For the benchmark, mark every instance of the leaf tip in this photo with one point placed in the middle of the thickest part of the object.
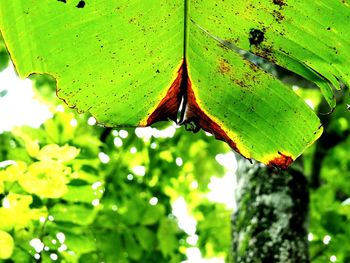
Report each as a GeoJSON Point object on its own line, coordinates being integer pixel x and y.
{"type": "Point", "coordinates": [282, 161]}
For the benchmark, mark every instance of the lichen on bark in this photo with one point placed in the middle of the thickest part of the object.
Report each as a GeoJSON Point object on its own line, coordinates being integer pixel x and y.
{"type": "Point", "coordinates": [270, 224]}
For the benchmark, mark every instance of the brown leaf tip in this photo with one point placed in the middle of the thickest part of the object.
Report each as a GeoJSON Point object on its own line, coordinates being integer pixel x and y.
{"type": "Point", "coordinates": [282, 161]}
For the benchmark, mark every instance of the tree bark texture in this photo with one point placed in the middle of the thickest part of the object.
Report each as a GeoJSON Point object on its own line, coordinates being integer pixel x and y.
{"type": "Point", "coordinates": [270, 224]}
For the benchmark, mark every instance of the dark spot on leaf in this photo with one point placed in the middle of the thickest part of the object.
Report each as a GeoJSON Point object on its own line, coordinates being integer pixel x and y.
{"type": "Point", "coordinates": [157, 71]}
{"type": "Point", "coordinates": [278, 15]}
{"type": "Point", "coordinates": [256, 36]}
{"type": "Point", "coordinates": [63, 1]}
{"type": "Point", "coordinates": [81, 4]}
{"type": "Point", "coordinates": [266, 52]}
{"type": "Point", "coordinates": [280, 3]}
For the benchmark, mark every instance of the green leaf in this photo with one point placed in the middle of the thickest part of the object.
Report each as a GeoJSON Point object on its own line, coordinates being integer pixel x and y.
{"type": "Point", "coordinates": [160, 36]}
{"type": "Point", "coordinates": [257, 115]}
{"type": "Point", "coordinates": [131, 247]}
{"type": "Point", "coordinates": [110, 246]}
{"type": "Point", "coordinates": [145, 237]}
{"type": "Point", "coordinates": [13, 172]}
{"type": "Point", "coordinates": [46, 179]}
{"type": "Point", "coordinates": [135, 208]}
{"type": "Point", "coordinates": [81, 243]}
{"type": "Point", "coordinates": [337, 162]}
{"type": "Point", "coordinates": [59, 129]}
{"type": "Point", "coordinates": [20, 255]}
{"type": "Point", "coordinates": [214, 228]}
{"type": "Point", "coordinates": [73, 213]}
{"type": "Point", "coordinates": [131, 64]}
{"type": "Point", "coordinates": [89, 142]}
{"type": "Point", "coordinates": [6, 245]}
{"type": "Point", "coordinates": [166, 237]}
{"type": "Point", "coordinates": [285, 34]}
{"type": "Point", "coordinates": [152, 214]}
{"type": "Point", "coordinates": [15, 211]}
{"type": "Point", "coordinates": [31, 144]}
{"type": "Point", "coordinates": [334, 223]}
{"type": "Point", "coordinates": [83, 193]}
{"type": "Point", "coordinates": [55, 152]}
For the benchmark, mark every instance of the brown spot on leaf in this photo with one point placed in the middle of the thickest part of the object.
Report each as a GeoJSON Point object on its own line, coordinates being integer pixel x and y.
{"type": "Point", "coordinates": [266, 52]}
{"type": "Point", "coordinates": [282, 161]}
{"type": "Point", "coordinates": [224, 66]}
{"type": "Point", "coordinates": [280, 3]}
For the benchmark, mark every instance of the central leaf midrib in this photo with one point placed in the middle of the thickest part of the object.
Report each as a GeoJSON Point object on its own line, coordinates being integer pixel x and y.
{"type": "Point", "coordinates": [183, 84]}
{"type": "Point", "coordinates": [186, 9]}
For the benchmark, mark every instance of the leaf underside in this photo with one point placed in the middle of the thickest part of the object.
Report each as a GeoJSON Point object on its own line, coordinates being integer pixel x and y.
{"type": "Point", "coordinates": [131, 63]}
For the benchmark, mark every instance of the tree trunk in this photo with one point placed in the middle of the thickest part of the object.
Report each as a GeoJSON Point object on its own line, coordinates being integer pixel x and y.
{"type": "Point", "coordinates": [270, 224]}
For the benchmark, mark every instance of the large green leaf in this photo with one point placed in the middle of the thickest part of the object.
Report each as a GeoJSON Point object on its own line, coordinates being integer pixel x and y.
{"type": "Point", "coordinates": [132, 63]}
{"type": "Point", "coordinates": [307, 37]}
{"type": "Point", "coordinates": [115, 59]}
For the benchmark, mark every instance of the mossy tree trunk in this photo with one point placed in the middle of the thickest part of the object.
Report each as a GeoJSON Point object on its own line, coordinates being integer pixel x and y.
{"type": "Point", "coordinates": [270, 224]}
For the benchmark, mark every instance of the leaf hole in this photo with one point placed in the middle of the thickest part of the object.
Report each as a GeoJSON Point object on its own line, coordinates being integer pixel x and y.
{"type": "Point", "coordinates": [256, 36]}
{"type": "Point", "coordinates": [81, 4]}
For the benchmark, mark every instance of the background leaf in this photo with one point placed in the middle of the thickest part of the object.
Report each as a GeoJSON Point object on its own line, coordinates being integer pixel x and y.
{"type": "Point", "coordinates": [6, 245]}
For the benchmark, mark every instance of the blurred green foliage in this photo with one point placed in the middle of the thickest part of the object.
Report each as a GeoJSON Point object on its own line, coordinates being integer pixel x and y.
{"type": "Point", "coordinates": [327, 165]}
{"type": "Point", "coordinates": [94, 185]}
